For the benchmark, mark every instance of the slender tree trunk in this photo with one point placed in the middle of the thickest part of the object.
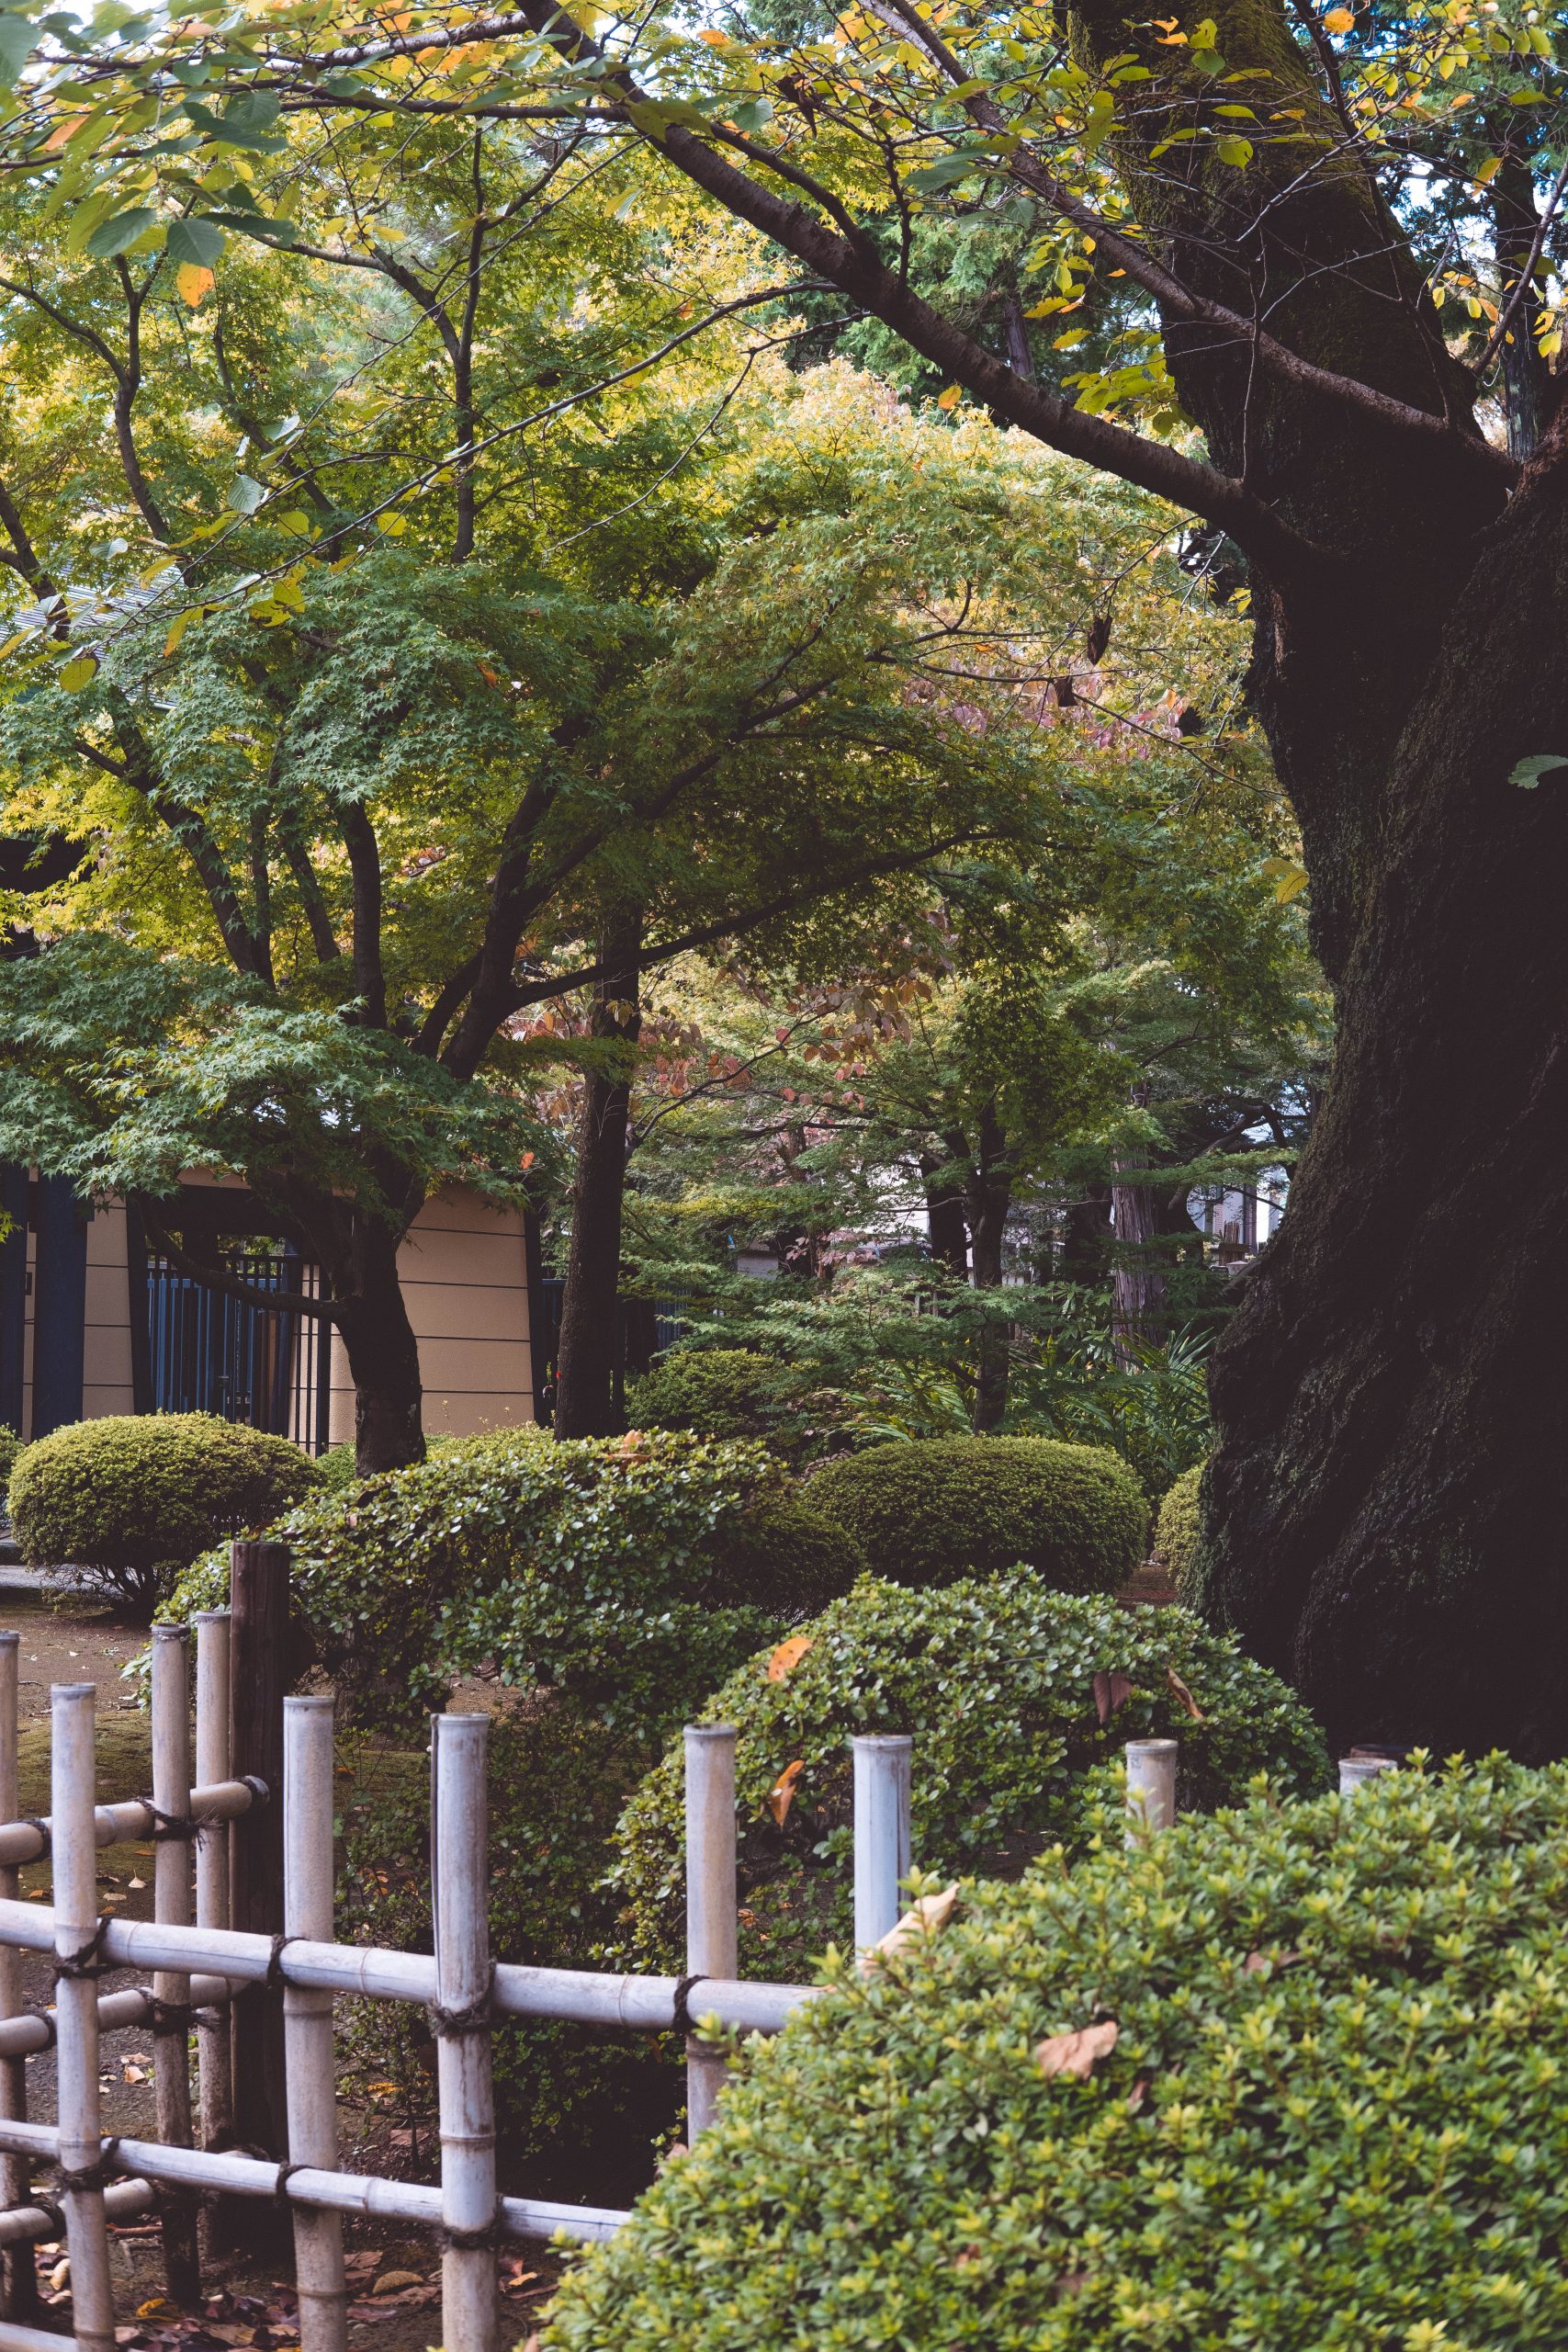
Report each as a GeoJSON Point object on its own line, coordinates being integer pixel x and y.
{"type": "Point", "coordinates": [1527, 380]}
{"type": "Point", "coordinates": [1388, 1519]}
{"type": "Point", "coordinates": [383, 1354]}
{"type": "Point", "coordinates": [1137, 1286]}
{"type": "Point", "coordinates": [987, 1195]}
{"type": "Point", "coordinates": [1086, 1238]}
{"type": "Point", "coordinates": [585, 1384]}
{"type": "Point", "coordinates": [944, 1216]}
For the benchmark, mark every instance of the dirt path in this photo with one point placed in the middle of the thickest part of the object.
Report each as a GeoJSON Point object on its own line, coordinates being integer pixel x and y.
{"type": "Point", "coordinates": [396, 2278]}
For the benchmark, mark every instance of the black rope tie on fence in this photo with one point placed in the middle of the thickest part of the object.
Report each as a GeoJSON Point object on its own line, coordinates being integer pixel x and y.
{"type": "Point", "coordinates": [167, 1826]}
{"type": "Point", "coordinates": [274, 1980]}
{"type": "Point", "coordinates": [169, 2016]}
{"type": "Point", "coordinates": [88, 1962]}
{"type": "Point", "coordinates": [683, 2022]}
{"type": "Point", "coordinates": [37, 1821]}
{"type": "Point", "coordinates": [47, 2018]}
{"type": "Point", "coordinates": [81, 2181]}
{"type": "Point", "coordinates": [452, 2025]}
{"type": "Point", "coordinates": [260, 1792]}
{"type": "Point", "coordinates": [50, 2209]}
{"type": "Point", "coordinates": [280, 2186]}
{"type": "Point", "coordinates": [474, 2241]}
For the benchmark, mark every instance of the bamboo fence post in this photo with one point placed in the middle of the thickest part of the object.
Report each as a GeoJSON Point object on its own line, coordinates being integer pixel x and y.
{"type": "Point", "coordinates": [1354, 1771]}
{"type": "Point", "coordinates": [460, 1868]}
{"type": "Point", "coordinates": [171, 1908]}
{"type": "Point", "coordinates": [1151, 1785]}
{"type": "Point", "coordinates": [882, 1774]}
{"type": "Point", "coordinates": [308, 2016]}
{"type": "Point", "coordinates": [20, 2298]}
{"type": "Point", "coordinates": [214, 1762]}
{"type": "Point", "coordinates": [77, 1930]}
{"type": "Point", "coordinates": [712, 1936]}
{"type": "Point", "coordinates": [258, 1636]}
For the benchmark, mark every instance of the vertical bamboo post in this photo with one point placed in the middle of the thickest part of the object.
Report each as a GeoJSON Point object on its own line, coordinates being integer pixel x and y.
{"type": "Point", "coordinates": [258, 1599]}
{"type": "Point", "coordinates": [171, 1905]}
{"type": "Point", "coordinates": [308, 2016]}
{"type": "Point", "coordinates": [882, 1777]}
{"type": "Point", "coordinates": [460, 1864]}
{"type": "Point", "coordinates": [75, 1849]}
{"type": "Point", "coordinates": [20, 2297]}
{"type": "Point", "coordinates": [1151, 1785]}
{"type": "Point", "coordinates": [1354, 1771]}
{"type": "Point", "coordinates": [214, 1762]}
{"type": "Point", "coordinates": [712, 1941]}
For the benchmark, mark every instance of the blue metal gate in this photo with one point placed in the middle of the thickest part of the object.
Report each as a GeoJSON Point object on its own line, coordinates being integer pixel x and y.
{"type": "Point", "coordinates": [211, 1352]}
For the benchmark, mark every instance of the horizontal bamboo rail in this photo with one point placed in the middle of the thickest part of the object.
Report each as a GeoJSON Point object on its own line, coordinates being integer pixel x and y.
{"type": "Point", "coordinates": [135, 2005]}
{"type": "Point", "coordinates": [137, 1818]}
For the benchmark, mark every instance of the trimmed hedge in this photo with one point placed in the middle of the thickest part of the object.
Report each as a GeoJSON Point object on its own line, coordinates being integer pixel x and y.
{"type": "Point", "coordinates": [1332, 2120]}
{"type": "Point", "coordinates": [1177, 1530]}
{"type": "Point", "coordinates": [996, 1680]}
{"type": "Point", "coordinates": [632, 1573]}
{"type": "Point", "coordinates": [941, 1507]}
{"type": "Point", "coordinates": [10, 1446]}
{"type": "Point", "coordinates": [716, 1392]}
{"type": "Point", "coordinates": [131, 1498]}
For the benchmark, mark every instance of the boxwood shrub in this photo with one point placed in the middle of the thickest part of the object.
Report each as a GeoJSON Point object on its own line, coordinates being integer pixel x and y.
{"type": "Point", "coordinates": [10, 1446]}
{"type": "Point", "coordinates": [633, 1573]}
{"type": "Point", "coordinates": [1332, 2120]}
{"type": "Point", "coordinates": [1177, 1531]}
{"type": "Point", "coordinates": [130, 1499]}
{"type": "Point", "coordinates": [940, 1507]}
{"type": "Point", "coordinates": [717, 1392]}
{"type": "Point", "coordinates": [995, 1678]}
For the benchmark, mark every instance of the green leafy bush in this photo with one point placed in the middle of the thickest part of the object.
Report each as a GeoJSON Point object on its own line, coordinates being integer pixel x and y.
{"type": "Point", "coordinates": [633, 1573]}
{"type": "Point", "coordinates": [717, 1392]}
{"type": "Point", "coordinates": [10, 1446]}
{"type": "Point", "coordinates": [131, 1498]}
{"type": "Point", "coordinates": [995, 1680]}
{"type": "Point", "coordinates": [1332, 2120]}
{"type": "Point", "coordinates": [941, 1507]}
{"type": "Point", "coordinates": [1177, 1531]}
{"type": "Point", "coordinates": [577, 2110]}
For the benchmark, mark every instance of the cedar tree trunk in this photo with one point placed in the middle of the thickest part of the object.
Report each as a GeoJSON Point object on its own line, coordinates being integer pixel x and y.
{"type": "Point", "coordinates": [944, 1216]}
{"type": "Point", "coordinates": [585, 1384]}
{"type": "Point", "coordinates": [383, 1354]}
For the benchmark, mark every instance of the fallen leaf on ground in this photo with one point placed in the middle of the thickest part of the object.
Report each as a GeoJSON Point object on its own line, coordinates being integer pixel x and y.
{"type": "Point", "coordinates": [780, 1796]}
{"type": "Point", "coordinates": [1180, 1691]}
{"type": "Point", "coordinates": [1075, 2054]}
{"type": "Point", "coordinates": [392, 2283]}
{"type": "Point", "coordinates": [787, 1655]}
{"type": "Point", "coordinates": [923, 1918]}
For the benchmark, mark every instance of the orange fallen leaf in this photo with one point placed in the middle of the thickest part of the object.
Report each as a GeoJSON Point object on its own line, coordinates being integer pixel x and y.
{"type": "Point", "coordinates": [787, 1655]}
{"type": "Point", "coordinates": [923, 1918]}
{"type": "Point", "coordinates": [1075, 2054]}
{"type": "Point", "coordinates": [780, 1796]}
{"type": "Point", "coordinates": [1180, 1691]}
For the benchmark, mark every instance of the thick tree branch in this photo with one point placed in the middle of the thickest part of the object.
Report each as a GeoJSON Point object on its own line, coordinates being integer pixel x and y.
{"type": "Point", "coordinates": [282, 1302]}
{"type": "Point", "coordinates": [365, 867]}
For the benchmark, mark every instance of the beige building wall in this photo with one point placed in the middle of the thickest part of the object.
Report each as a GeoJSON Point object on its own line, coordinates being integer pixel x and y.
{"type": "Point", "coordinates": [105, 1341]}
{"type": "Point", "coordinates": [463, 1270]}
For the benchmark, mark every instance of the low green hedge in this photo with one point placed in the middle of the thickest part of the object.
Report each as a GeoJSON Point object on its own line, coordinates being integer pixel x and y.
{"type": "Point", "coordinates": [716, 1392]}
{"type": "Point", "coordinates": [1177, 1530]}
{"type": "Point", "coordinates": [632, 1573]}
{"type": "Point", "coordinates": [1332, 2120]}
{"type": "Point", "coordinates": [995, 1678]}
{"type": "Point", "coordinates": [941, 1507]}
{"type": "Point", "coordinates": [10, 1446]}
{"type": "Point", "coordinates": [130, 1499]}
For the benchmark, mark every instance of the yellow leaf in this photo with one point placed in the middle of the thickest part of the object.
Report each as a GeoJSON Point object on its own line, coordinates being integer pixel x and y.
{"type": "Point", "coordinates": [787, 1655]}
{"type": "Point", "coordinates": [62, 132]}
{"type": "Point", "coordinates": [1075, 2054]}
{"type": "Point", "coordinates": [780, 1796]}
{"type": "Point", "coordinates": [950, 398]}
{"type": "Point", "coordinates": [393, 524]}
{"type": "Point", "coordinates": [714, 39]}
{"type": "Point", "coordinates": [193, 281]}
{"type": "Point", "coordinates": [1489, 169]}
{"type": "Point", "coordinates": [1339, 20]}
{"type": "Point", "coordinates": [79, 673]}
{"type": "Point", "coordinates": [12, 643]}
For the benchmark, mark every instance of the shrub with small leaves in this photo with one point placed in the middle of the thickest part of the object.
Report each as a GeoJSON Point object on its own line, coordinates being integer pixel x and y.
{"type": "Point", "coordinates": [717, 1392]}
{"type": "Point", "coordinates": [633, 1573]}
{"type": "Point", "coordinates": [1014, 1694]}
{"type": "Point", "coordinates": [130, 1500]}
{"type": "Point", "coordinates": [1177, 1531]}
{"type": "Point", "coordinates": [10, 1446]}
{"type": "Point", "coordinates": [941, 1507]}
{"type": "Point", "coordinates": [1291, 2077]}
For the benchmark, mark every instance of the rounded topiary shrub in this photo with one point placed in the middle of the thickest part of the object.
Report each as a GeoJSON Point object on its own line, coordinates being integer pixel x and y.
{"type": "Point", "coordinates": [995, 1679]}
{"type": "Point", "coordinates": [716, 1392]}
{"type": "Point", "coordinates": [1321, 2110]}
{"type": "Point", "coordinates": [10, 1446]}
{"type": "Point", "coordinates": [131, 1498]}
{"type": "Point", "coordinates": [940, 1508]}
{"type": "Point", "coordinates": [1177, 1528]}
{"type": "Point", "coordinates": [631, 1572]}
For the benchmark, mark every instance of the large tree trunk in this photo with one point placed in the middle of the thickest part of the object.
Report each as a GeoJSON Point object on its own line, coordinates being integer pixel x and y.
{"type": "Point", "coordinates": [944, 1216]}
{"type": "Point", "coordinates": [1388, 1519]}
{"type": "Point", "coordinates": [585, 1380]}
{"type": "Point", "coordinates": [383, 1355]}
